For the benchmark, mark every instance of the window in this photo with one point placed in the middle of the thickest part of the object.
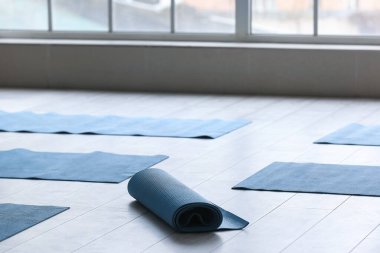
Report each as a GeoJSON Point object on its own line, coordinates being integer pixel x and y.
{"type": "Point", "coordinates": [349, 17]}
{"type": "Point", "coordinates": [301, 21]}
{"type": "Point", "coordinates": [23, 15]}
{"type": "Point", "coordinates": [80, 15]}
{"type": "Point", "coordinates": [282, 17]}
{"type": "Point", "coordinates": [141, 15]}
{"type": "Point", "coordinates": [199, 16]}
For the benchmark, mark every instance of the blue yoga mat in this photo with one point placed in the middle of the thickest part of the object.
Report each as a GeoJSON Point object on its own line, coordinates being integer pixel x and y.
{"type": "Point", "coordinates": [179, 206]}
{"type": "Point", "coordinates": [316, 178]}
{"type": "Point", "coordinates": [87, 167]}
{"type": "Point", "coordinates": [17, 218]}
{"type": "Point", "coordinates": [113, 125]}
{"type": "Point", "coordinates": [353, 134]}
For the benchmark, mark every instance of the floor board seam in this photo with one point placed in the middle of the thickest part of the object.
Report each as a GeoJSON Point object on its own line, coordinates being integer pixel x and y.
{"type": "Point", "coordinates": [314, 225]}
{"type": "Point", "coordinates": [55, 227]}
{"type": "Point", "coordinates": [252, 224]}
{"type": "Point", "coordinates": [360, 242]}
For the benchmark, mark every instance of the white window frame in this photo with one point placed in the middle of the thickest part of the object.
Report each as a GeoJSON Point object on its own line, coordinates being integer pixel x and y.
{"type": "Point", "coordinates": [242, 34]}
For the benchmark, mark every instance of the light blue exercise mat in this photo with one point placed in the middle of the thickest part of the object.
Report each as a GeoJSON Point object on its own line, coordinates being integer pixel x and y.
{"type": "Point", "coordinates": [354, 134]}
{"type": "Point", "coordinates": [113, 125]}
{"type": "Point", "coordinates": [316, 178]}
{"type": "Point", "coordinates": [17, 218]}
{"type": "Point", "coordinates": [179, 206]}
{"type": "Point", "coordinates": [87, 167]}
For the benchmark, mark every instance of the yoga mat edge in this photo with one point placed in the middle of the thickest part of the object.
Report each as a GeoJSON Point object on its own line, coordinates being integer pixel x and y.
{"type": "Point", "coordinates": [94, 167]}
{"type": "Point", "coordinates": [58, 210]}
{"type": "Point", "coordinates": [357, 180]}
{"type": "Point", "coordinates": [30, 122]}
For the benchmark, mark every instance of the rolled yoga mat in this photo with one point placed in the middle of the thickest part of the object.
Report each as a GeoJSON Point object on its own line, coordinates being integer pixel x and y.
{"type": "Point", "coordinates": [354, 134]}
{"type": "Point", "coordinates": [87, 167]}
{"type": "Point", "coordinates": [316, 178]}
{"type": "Point", "coordinates": [17, 218]}
{"type": "Point", "coordinates": [179, 206]}
{"type": "Point", "coordinates": [113, 125]}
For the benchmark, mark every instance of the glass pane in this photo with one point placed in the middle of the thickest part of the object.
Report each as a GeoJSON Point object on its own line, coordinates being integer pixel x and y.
{"type": "Point", "coordinates": [282, 17]}
{"type": "Point", "coordinates": [141, 15]}
{"type": "Point", "coordinates": [200, 16]}
{"type": "Point", "coordinates": [80, 15]}
{"type": "Point", "coordinates": [23, 15]}
{"type": "Point", "coordinates": [349, 17]}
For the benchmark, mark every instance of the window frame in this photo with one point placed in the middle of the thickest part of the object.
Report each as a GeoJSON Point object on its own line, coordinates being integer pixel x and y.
{"type": "Point", "coordinates": [242, 31]}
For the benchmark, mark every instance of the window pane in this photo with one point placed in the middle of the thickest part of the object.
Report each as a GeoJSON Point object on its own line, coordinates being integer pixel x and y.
{"type": "Point", "coordinates": [142, 15]}
{"type": "Point", "coordinates": [282, 17]}
{"type": "Point", "coordinates": [200, 16]}
{"type": "Point", "coordinates": [80, 15]}
{"type": "Point", "coordinates": [349, 17]}
{"type": "Point", "coordinates": [23, 15]}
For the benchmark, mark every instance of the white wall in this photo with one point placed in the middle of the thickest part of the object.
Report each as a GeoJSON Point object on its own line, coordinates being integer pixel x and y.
{"type": "Point", "coordinates": [276, 70]}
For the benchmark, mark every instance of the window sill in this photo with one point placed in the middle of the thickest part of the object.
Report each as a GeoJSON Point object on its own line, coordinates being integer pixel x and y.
{"type": "Point", "coordinates": [188, 44]}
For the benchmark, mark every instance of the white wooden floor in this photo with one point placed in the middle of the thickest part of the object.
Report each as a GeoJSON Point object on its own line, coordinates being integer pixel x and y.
{"type": "Point", "coordinates": [104, 218]}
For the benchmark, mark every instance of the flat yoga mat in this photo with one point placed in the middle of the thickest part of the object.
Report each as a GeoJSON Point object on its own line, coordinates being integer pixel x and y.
{"type": "Point", "coordinates": [17, 218]}
{"type": "Point", "coordinates": [316, 178]}
{"type": "Point", "coordinates": [87, 167]}
{"type": "Point", "coordinates": [179, 206]}
{"type": "Point", "coordinates": [113, 125]}
{"type": "Point", "coordinates": [354, 134]}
